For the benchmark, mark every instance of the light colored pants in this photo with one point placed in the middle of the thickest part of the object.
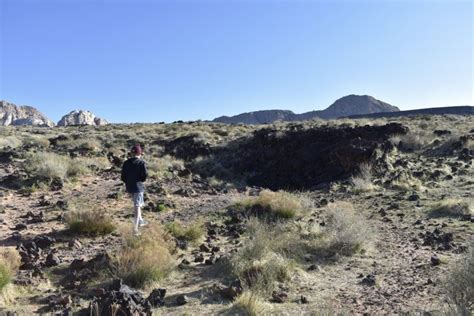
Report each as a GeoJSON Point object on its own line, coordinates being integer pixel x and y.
{"type": "Point", "coordinates": [138, 202]}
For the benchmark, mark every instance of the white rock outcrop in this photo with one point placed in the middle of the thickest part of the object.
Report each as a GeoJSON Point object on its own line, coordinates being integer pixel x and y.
{"type": "Point", "coordinates": [81, 117]}
{"type": "Point", "coordinates": [11, 114]}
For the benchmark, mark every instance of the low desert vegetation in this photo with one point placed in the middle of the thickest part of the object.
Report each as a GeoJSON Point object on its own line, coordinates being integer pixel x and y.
{"type": "Point", "coordinates": [10, 142]}
{"type": "Point", "coordinates": [192, 232]}
{"type": "Point", "coordinates": [249, 304]}
{"type": "Point", "coordinates": [276, 205]}
{"type": "Point", "coordinates": [406, 182]}
{"type": "Point", "coordinates": [346, 232]}
{"type": "Point", "coordinates": [163, 167]}
{"type": "Point", "coordinates": [362, 181]}
{"type": "Point", "coordinates": [142, 260]}
{"type": "Point", "coordinates": [9, 264]}
{"type": "Point", "coordinates": [92, 222]}
{"type": "Point", "coordinates": [47, 166]}
{"type": "Point", "coordinates": [452, 208]}
{"type": "Point", "coordinates": [262, 260]}
{"type": "Point", "coordinates": [459, 285]}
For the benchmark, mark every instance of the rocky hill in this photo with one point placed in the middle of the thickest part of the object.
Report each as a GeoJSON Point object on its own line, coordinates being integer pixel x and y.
{"type": "Point", "coordinates": [81, 117]}
{"type": "Point", "coordinates": [345, 106]}
{"type": "Point", "coordinates": [258, 117]}
{"type": "Point", "coordinates": [11, 114]}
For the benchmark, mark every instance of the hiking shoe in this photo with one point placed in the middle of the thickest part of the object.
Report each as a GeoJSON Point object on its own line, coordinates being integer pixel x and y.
{"type": "Point", "coordinates": [143, 223]}
{"type": "Point", "coordinates": [136, 233]}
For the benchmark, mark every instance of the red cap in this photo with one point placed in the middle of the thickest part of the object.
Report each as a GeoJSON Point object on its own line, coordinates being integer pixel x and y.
{"type": "Point", "coordinates": [137, 150]}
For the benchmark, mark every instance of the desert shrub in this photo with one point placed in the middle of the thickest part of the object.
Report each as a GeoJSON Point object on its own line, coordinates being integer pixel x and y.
{"type": "Point", "coordinates": [345, 233]}
{"type": "Point", "coordinates": [90, 223]}
{"type": "Point", "coordinates": [248, 303]}
{"type": "Point", "coordinates": [47, 166]}
{"type": "Point", "coordinates": [36, 141]}
{"type": "Point", "coordinates": [163, 166]}
{"type": "Point", "coordinates": [9, 264]}
{"type": "Point", "coordinates": [451, 208]}
{"type": "Point", "coordinates": [262, 260]}
{"type": "Point", "coordinates": [406, 182]}
{"type": "Point", "coordinates": [459, 285]}
{"type": "Point", "coordinates": [279, 204]}
{"type": "Point", "coordinates": [191, 233]}
{"type": "Point", "coordinates": [410, 142]}
{"type": "Point", "coordinates": [10, 141]}
{"type": "Point", "coordinates": [362, 181]}
{"type": "Point", "coordinates": [144, 259]}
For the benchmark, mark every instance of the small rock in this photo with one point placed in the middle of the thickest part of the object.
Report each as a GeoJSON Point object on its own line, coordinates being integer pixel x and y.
{"type": "Point", "coordinates": [435, 260]}
{"type": "Point", "coordinates": [182, 300]}
{"type": "Point", "coordinates": [204, 248]}
{"type": "Point", "coordinates": [52, 260]}
{"type": "Point", "coordinates": [75, 243]}
{"type": "Point", "coordinates": [304, 299]}
{"type": "Point", "coordinates": [369, 280]}
{"type": "Point", "coordinates": [20, 226]}
{"type": "Point", "coordinates": [279, 297]}
{"type": "Point", "coordinates": [157, 297]}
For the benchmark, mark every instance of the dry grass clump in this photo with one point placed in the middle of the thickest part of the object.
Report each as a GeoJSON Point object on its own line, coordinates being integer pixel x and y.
{"type": "Point", "coordinates": [451, 208]}
{"type": "Point", "coordinates": [9, 264]}
{"type": "Point", "coordinates": [280, 204]}
{"type": "Point", "coordinates": [10, 141]}
{"type": "Point", "coordinates": [411, 142]}
{"type": "Point", "coordinates": [459, 285]}
{"type": "Point", "coordinates": [249, 304]}
{"type": "Point", "coordinates": [48, 166]}
{"type": "Point", "coordinates": [362, 181]}
{"type": "Point", "coordinates": [142, 260]}
{"type": "Point", "coordinates": [406, 182]}
{"type": "Point", "coordinates": [92, 222]}
{"type": "Point", "coordinates": [345, 233]}
{"type": "Point", "coordinates": [191, 233]}
{"type": "Point", "coordinates": [163, 166]}
{"type": "Point", "coordinates": [262, 260]}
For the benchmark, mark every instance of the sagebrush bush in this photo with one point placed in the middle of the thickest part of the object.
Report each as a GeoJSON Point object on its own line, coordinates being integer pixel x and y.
{"type": "Point", "coordinates": [9, 264]}
{"type": "Point", "coordinates": [142, 260]}
{"type": "Point", "coordinates": [459, 285]}
{"type": "Point", "coordinates": [262, 260]}
{"type": "Point", "coordinates": [10, 141]}
{"type": "Point", "coordinates": [451, 208]}
{"type": "Point", "coordinates": [279, 204]}
{"type": "Point", "coordinates": [345, 232]}
{"type": "Point", "coordinates": [362, 181]}
{"type": "Point", "coordinates": [92, 222]}
{"type": "Point", "coordinates": [248, 303]}
{"type": "Point", "coordinates": [192, 232]}
{"type": "Point", "coordinates": [48, 166]}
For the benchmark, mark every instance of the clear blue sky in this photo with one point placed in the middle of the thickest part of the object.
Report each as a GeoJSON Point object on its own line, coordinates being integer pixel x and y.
{"type": "Point", "coordinates": [152, 61]}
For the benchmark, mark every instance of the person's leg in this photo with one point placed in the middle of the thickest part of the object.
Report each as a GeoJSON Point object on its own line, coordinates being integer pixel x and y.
{"type": "Point", "coordinates": [137, 212]}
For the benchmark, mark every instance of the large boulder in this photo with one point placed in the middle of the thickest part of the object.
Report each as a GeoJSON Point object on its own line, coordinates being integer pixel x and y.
{"type": "Point", "coordinates": [11, 114]}
{"type": "Point", "coordinates": [81, 117]}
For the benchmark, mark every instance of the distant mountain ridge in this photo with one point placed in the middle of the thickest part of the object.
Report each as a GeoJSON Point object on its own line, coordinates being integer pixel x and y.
{"type": "Point", "coordinates": [345, 106]}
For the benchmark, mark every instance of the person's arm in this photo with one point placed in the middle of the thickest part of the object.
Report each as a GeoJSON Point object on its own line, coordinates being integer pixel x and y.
{"type": "Point", "coordinates": [123, 176]}
{"type": "Point", "coordinates": [144, 172]}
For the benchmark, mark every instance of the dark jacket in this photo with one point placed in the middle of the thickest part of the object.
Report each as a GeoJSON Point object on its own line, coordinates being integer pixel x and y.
{"type": "Point", "coordinates": [133, 171]}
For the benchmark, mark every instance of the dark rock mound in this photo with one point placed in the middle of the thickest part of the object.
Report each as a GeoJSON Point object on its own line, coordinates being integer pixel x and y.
{"type": "Point", "coordinates": [187, 147]}
{"type": "Point", "coordinates": [302, 159]}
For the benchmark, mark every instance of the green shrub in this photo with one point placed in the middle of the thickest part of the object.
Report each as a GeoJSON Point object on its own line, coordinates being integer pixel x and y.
{"type": "Point", "coordinates": [451, 208]}
{"type": "Point", "coordinates": [144, 259]}
{"type": "Point", "coordinates": [191, 233]}
{"type": "Point", "coordinates": [459, 285]}
{"type": "Point", "coordinates": [281, 204]}
{"type": "Point", "coordinates": [9, 264]}
{"type": "Point", "coordinates": [89, 223]}
{"type": "Point", "coordinates": [48, 166]}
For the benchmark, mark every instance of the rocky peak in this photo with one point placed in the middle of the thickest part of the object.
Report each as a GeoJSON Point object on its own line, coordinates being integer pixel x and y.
{"type": "Point", "coordinates": [11, 114]}
{"type": "Point", "coordinates": [81, 117]}
{"type": "Point", "coordinates": [356, 104]}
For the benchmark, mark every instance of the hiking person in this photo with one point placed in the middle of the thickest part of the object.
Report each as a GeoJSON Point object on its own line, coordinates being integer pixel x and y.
{"type": "Point", "coordinates": [134, 173]}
